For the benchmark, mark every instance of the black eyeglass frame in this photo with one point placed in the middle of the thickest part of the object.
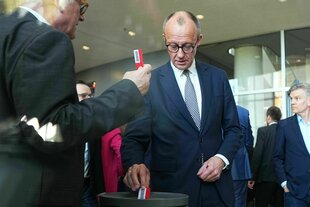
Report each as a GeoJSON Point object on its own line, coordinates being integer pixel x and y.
{"type": "Point", "coordinates": [83, 8]}
{"type": "Point", "coordinates": [192, 46]}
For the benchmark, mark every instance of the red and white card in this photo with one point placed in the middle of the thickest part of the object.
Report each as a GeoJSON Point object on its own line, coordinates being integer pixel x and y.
{"type": "Point", "coordinates": [144, 193]}
{"type": "Point", "coordinates": [138, 58]}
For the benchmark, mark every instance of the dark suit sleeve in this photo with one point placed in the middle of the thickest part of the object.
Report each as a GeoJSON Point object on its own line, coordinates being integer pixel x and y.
{"type": "Point", "coordinates": [249, 136]}
{"type": "Point", "coordinates": [258, 153]}
{"type": "Point", "coordinates": [136, 139]}
{"type": "Point", "coordinates": [230, 124]}
{"type": "Point", "coordinates": [43, 86]}
{"type": "Point", "coordinates": [279, 154]}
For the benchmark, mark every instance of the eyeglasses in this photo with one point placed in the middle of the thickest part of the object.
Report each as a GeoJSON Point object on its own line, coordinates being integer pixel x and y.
{"type": "Point", "coordinates": [83, 8]}
{"type": "Point", "coordinates": [186, 48]}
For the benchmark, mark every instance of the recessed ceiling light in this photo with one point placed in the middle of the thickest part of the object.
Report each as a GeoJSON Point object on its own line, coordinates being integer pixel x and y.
{"type": "Point", "coordinates": [131, 33]}
{"type": "Point", "coordinates": [231, 51]}
{"type": "Point", "coordinates": [200, 16]}
{"type": "Point", "coordinates": [282, 0]}
{"type": "Point", "coordinates": [85, 47]}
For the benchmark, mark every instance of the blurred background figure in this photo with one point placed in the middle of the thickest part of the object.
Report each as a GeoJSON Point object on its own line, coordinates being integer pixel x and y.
{"type": "Point", "coordinates": [111, 159]}
{"type": "Point", "coordinates": [241, 169]}
{"type": "Point", "coordinates": [93, 180]}
{"type": "Point", "coordinates": [264, 180]}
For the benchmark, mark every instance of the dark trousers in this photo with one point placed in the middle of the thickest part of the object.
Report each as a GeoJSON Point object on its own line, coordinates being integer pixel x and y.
{"type": "Point", "coordinates": [268, 193]}
{"type": "Point", "coordinates": [89, 196]}
{"type": "Point", "coordinates": [240, 188]}
{"type": "Point", "coordinates": [211, 199]}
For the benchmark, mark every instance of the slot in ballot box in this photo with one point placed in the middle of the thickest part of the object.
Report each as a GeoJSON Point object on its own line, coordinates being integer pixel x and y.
{"type": "Point", "coordinates": [129, 199]}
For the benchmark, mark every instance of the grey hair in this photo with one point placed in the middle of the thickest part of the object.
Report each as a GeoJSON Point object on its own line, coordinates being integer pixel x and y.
{"type": "Point", "coordinates": [181, 20]}
{"type": "Point", "coordinates": [300, 85]}
{"type": "Point", "coordinates": [62, 3]}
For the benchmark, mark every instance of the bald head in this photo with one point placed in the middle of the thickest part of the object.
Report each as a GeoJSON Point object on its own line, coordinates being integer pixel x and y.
{"type": "Point", "coordinates": [182, 18]}
{"type": "Point", "coordinates": [182, 30]}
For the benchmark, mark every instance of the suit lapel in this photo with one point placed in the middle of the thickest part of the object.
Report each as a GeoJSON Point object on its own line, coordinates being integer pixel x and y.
{"type": "Point", "coordinates": [171, 88]}
{"type": "Point", "coordinates": [296, 130]}
{"type": "Point", "coordinates": [206, 88]}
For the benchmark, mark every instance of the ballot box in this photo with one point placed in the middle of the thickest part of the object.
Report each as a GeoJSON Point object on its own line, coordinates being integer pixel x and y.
{"type": "Point", "coordinates": [130, 199]}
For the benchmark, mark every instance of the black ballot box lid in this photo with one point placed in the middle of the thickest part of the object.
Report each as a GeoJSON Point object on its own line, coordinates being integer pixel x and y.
{"type": "Point", "coordinates": [129, 199]}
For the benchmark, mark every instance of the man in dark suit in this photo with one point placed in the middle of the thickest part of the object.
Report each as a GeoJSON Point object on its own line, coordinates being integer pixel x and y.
{"type": "Point", "coordinates": [189, 154]}
{"type": "Point", "coordinates": [292, 149]}
{"type": "Point", "coordinates": [241, 170]}
{"type": "Point", "coordinates": [93, 174]}
{"type": "Point", "coordinates": [44, 167]}
{"type": "Point", "coordinates": [264, 179]}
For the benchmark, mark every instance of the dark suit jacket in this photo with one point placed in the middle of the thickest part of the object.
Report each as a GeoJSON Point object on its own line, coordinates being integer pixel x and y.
{"type": "Point", "coordinates": [37, 79]}
{"type": "Point", "coordinates": [177, 144]}
{"type": "Point", "coordinates": [95, 166]}
{"type": "Point", "coordinates": [262, 165]}
{"type": "Point", "coordinates": [291, 158]}
{"type": "Point", "coordinates": [241, 169]}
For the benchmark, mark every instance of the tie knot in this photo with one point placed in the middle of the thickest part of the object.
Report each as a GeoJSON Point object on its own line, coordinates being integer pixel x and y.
{"type": "Point", "coordinates": [186, 73]}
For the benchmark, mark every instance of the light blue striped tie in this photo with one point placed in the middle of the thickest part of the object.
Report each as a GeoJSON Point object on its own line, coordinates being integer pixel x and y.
{"type": "Point", "coordinates": [191, 99]}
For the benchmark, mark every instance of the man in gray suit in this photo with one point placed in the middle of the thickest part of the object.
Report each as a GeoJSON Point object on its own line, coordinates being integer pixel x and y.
{"type": "Point", "coordinates": [37, 80]}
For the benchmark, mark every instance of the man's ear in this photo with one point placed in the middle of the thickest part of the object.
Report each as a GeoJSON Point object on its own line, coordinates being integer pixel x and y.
{"type": "Point", "coordinates": [268, 119]}
{"type": "Point", "coordinates": [199, 39]}
{"type": "Point", "coordinates": [164, 37]}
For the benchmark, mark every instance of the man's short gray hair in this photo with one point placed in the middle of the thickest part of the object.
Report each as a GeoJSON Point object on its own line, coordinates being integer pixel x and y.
{"type": "Point", "coordinates": [300, 85]}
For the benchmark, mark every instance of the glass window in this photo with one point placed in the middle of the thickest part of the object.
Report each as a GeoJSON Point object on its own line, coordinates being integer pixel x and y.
{"type": "Point", "coordinates": [297, 52]}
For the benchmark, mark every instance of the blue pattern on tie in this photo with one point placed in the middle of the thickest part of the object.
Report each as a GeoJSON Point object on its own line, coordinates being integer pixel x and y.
{"type": "Point", "coordinates": [191, 99]}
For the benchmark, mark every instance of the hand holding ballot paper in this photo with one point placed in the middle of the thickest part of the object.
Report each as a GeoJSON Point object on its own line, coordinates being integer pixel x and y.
{"type": "Point", "coordinates": [138, 76]}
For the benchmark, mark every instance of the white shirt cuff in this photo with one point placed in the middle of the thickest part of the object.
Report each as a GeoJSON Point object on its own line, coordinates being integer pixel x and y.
{"type": "Point", "coordinates": [225, 160]}
{"type": "Point", "coordinates": [283, 184]}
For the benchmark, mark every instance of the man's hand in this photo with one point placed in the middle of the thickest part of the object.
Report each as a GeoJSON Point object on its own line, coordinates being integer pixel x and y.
{"type": "Point", "coordinates": [286, 190]}
{"type": "Point", "coordinates": [137, 176]}
{"type": "Point", "coordinates": [251, 184]}
{"type": "Point", "coordinates": [211, 169]}
{"type": "Point", "coordinates": [140, 77]}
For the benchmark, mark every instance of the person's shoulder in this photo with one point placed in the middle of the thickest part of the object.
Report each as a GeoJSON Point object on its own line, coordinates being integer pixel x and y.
{"type": "Point", "coordinates": [262, 129]}
{"type": "Point", "coordinates": [161, 69]}
{"type": "Point", "coordinates": [287, 121]}
{"type": "Point", "coordinates": [31, 28]}
{"type": "Point", "coordinates": [209, 67]}
{"type": "Point", "coordinates": [242, 109]}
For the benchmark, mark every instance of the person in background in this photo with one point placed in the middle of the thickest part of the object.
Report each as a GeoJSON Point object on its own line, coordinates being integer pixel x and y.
{"type": "Point", "coordinates": [264, 179]}
{"type": "Point", "coordinates": [292, 149]}
{"type": "Point", "coordinates": [241, 169]}
{"type": "Point", "coordinates": [191, 122]}
{"type": "Point", "coordinates": [111, 158]}
{"type": "Point", "coordinates": [46, 127]}
{"type": "Point", "coordinates": [92, 163]}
